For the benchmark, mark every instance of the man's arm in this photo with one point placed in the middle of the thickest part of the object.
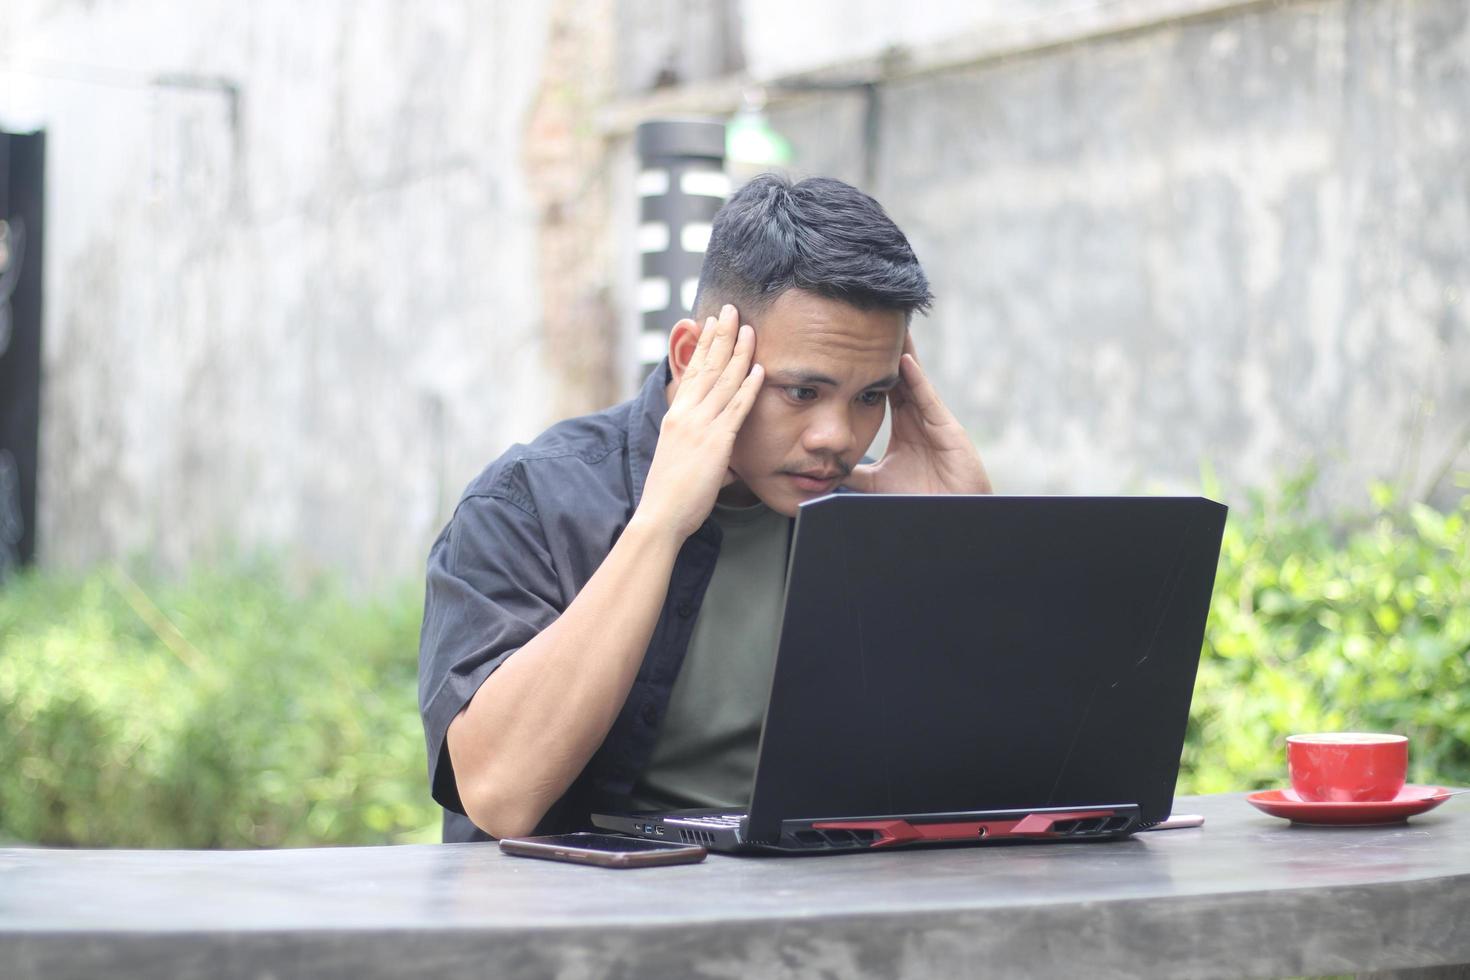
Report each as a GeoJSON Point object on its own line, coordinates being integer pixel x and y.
{"type": "Point", "coordinates": [535, 722]}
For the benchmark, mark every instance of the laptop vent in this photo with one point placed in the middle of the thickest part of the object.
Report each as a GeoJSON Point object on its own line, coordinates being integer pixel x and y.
{"type": "Point", "coordinates": [696, 836]}
{"type": "Point", "coordinates": [822, 840]}
{"type": "Point", "coordinates": [1090, 827]}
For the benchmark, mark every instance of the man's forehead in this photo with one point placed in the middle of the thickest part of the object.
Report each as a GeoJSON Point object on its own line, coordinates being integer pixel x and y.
{"type": "Point", "coordinates": [810, 377]}
{"type": "Point", "coordinates": [816, 318]}
{"type": "Point", "coordinates": [825, 357]}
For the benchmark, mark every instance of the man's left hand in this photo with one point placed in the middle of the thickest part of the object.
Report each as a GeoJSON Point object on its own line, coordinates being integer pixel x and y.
{"type": "Point", "coordinates": [928, 450]}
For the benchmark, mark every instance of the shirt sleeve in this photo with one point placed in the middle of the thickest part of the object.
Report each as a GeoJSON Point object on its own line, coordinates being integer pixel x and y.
{"type": "Point", "coordinates": [491, 588]}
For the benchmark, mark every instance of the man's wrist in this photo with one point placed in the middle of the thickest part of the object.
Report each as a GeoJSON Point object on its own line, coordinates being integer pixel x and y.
{"type": "Point", "coordinates": [648, 530]}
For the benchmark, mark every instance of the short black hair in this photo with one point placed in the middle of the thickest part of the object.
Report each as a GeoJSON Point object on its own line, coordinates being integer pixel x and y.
{"type": "Point", "coordinates": [820, 235]}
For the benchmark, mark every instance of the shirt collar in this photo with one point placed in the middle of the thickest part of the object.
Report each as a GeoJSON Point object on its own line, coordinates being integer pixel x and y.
{"type": "Point", "coordinates": [649, 409]}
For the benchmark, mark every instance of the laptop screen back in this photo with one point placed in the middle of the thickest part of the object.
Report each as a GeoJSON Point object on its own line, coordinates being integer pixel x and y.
{"type": "Point", "coordinates": [948, 654]}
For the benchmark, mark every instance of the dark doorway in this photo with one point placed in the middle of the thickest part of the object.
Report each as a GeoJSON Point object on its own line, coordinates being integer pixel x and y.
{"type": "Point", "coordinates": [22, 173]}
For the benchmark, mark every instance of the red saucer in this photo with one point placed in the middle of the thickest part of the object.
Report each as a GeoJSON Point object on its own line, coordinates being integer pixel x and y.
{"type": "Point", "coordinates": [1410, 801]}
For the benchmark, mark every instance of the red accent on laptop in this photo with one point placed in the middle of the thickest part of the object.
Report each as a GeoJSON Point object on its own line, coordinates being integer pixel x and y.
{"type": "Point", "coordinates": [902, 832]}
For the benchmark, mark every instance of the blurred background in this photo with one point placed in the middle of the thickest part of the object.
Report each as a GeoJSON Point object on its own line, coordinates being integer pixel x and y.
{"type": "Point", "coordinates": [278, 280]}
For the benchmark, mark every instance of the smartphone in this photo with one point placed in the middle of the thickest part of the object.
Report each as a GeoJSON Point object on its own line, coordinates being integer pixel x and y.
{"type": "Point", "coordinates": [603, 850]}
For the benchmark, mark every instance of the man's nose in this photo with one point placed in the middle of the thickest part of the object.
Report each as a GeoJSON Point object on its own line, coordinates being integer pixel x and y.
{"type": "Point", "coordinates": [830, 432]}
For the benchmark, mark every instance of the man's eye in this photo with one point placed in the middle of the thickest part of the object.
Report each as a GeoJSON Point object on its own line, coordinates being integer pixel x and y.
{"type": "Point", "coordinates": [800, 394]}
{"type": "Point", "coordinates": [871, 398]}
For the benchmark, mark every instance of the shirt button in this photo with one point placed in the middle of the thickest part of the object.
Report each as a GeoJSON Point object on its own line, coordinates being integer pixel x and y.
{"type": "Point", "coordinates": [650, 714]}
{"type": "Point", "coordinates": [685, 610]}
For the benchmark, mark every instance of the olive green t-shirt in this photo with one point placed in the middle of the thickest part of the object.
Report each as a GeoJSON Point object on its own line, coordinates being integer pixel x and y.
{"type": "Point", "coordinates": [705, 753]}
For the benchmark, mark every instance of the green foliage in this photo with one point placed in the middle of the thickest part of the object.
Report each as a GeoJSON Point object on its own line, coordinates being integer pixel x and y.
{"type": "Point", "coordinates": [1318, 626]}
{"type": "Point", "coordinates": [231, 711]}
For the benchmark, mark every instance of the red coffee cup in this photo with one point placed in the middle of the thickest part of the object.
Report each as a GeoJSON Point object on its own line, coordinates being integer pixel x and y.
{"type": "Point", "coordinates": [1347, 767]}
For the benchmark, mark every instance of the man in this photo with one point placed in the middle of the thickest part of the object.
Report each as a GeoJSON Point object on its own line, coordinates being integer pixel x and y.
{"type": "Point", "coordinates": [601, 614]}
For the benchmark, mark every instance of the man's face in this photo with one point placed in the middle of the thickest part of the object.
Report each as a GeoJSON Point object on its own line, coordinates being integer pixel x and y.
{"type": "Point", "coordinates": [828, 367]}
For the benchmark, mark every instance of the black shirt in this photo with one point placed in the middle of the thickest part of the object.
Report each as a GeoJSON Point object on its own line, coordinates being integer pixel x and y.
{"type": "Point", "coordinates": [526, 536]}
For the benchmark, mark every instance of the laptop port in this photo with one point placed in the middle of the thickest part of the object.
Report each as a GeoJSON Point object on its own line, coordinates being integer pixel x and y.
{"type": "Point", "coordinates": [659, 830]}
{"type": "Point", "coordinates": [648, 828]}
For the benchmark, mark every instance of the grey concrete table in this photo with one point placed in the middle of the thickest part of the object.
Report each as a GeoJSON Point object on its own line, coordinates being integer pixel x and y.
{"type": "Point", "coordinates": [1247, 895]}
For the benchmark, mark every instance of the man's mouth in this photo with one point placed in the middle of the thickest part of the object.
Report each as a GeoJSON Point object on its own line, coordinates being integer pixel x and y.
{"type": "Point", "coordinates": [817, 481]}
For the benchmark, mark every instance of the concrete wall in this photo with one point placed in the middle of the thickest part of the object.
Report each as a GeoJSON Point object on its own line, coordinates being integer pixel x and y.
{"type": "Point", "coordinates": [1241, 239]}
{"type": "Point", "coordinates": [309, 268]}
{"type": "Point", "coordinates": [304, 318]}
{"type": "Point", "coordinates": [784, 38]}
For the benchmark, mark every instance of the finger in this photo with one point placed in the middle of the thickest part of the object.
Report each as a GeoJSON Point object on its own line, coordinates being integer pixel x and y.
{"type": "Point", "coordinates": [862, 478]}
{"type": "Point", "coordinates": [701, 349]}
{"type": "Point", "coordinates": [727, 330]}
{"type": "Point", "coordinates": [922, 393]}
{"type": "Point", "coordinates": [738, 367]}
{"type": "Point", "coordinates": [908, 345]}
{"type": "Point", "coordinates": [898, 395]}
{"type": "Point", "coordinates": [733, 415]}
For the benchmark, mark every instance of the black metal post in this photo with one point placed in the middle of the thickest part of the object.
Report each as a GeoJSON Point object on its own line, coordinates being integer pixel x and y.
{"type": "Point", "coordinates": [22, 171]}
{"type": "Point", "coordinates": [681, 184]}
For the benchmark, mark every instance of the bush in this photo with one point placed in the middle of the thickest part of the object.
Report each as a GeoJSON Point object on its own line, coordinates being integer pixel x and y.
{"type": "Point", "coordinates": [1346, 626]}
{"type": "Point", "coordinates": [235, 711]}
{"type": "Point", "coordinates": [231, 711]}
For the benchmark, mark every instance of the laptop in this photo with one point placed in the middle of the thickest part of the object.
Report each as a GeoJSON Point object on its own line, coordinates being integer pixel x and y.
{"type": "Point", "coordinates": [973, 669]}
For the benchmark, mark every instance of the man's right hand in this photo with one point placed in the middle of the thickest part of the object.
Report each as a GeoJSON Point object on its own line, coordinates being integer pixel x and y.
{"type": "Point", "coordinates": [536, 721]}
{"type": "Point", "coordinates": [713, 396]}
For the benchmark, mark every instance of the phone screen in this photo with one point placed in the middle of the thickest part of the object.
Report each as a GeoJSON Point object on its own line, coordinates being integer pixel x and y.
{"type": "Point", "coordinates": [605, 850]}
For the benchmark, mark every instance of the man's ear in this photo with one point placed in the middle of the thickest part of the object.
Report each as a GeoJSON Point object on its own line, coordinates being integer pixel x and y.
{"type": "Point", "coordinates": [682, 341]}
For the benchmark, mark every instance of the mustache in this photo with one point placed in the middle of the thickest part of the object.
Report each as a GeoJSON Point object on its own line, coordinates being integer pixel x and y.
{"type": "Point", "coordinates": [821, 465]}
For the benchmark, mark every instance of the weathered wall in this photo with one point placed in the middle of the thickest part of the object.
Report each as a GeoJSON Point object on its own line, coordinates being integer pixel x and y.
{"type": "Point", "coordinates": [1241, 239]}
{"type": "Point", "coordinates": [782, 38]}
{"type": "Point", "coordinates": [306, 314]}
{"type": "Point", "coordinates": [1244, 240]}
{"type": "Point", "coordinates": [567, 169]}
{"type": "Point", "coordinates": [306, 322]}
